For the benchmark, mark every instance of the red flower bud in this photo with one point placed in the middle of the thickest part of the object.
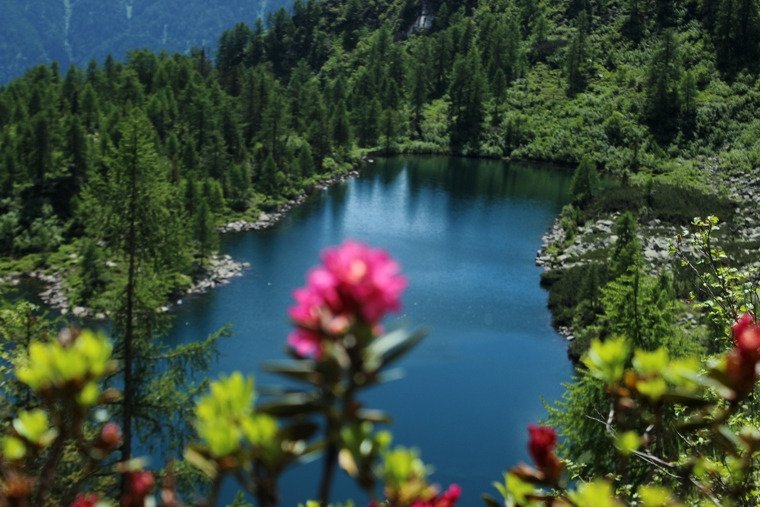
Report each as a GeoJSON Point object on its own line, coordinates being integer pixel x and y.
{"type": "Point", "coordinates": [85, 500]}
{"type": "Point", "coordinates": [541, 443]}
{"type": "Point", "coordinates": [740, 369]}
{"type": "Point", "coordinates": [748, 342]}
{"type": "Point", "coordinates": [110, 437]}
{"type": "Point", "coordinates": [541, 448]}
{"type": "Point", "coordinates": [742, 323]}
{"type": "Point", "coordinates": [140, 484]}
{"type": "Point", "coordinates": [446, 499]}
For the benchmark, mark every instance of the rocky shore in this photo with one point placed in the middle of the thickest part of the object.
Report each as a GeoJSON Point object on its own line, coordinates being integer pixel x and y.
{"type": "Point", "coordinates": [657, 237]}
{"type": "Point", "coordinates": [266, 220]}
{"type": "Point", "coordinates": [219, 270]}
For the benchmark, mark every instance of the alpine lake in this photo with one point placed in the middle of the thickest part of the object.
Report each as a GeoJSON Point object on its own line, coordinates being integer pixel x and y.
{"type": "Point", "coordinates": [465, 232]}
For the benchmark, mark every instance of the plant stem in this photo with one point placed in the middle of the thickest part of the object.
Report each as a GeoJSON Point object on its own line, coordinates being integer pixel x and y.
{"type": "Point", "coordinates": [331, 459]}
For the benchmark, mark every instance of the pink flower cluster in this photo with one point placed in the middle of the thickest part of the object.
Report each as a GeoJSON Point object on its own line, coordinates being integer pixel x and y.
{"type": "Point", "coordinates": [355, 284]}
{"type": "Point", "coordinates": [446, 499]}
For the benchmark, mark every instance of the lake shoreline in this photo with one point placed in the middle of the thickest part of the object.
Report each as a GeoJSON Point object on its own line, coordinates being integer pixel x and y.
{"type": "Point", "coordinates": [219, 268]}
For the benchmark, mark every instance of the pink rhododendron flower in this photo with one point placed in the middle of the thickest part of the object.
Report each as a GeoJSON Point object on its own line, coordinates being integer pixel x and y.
{"type": "Point", "coordinates": [354, 284]}
{"type": "Point", "coordinates": [85, 500]}
{"type": "Point", "coordinates": [367, 280]}
{"type": "Point", "coordinates": [305, 343]}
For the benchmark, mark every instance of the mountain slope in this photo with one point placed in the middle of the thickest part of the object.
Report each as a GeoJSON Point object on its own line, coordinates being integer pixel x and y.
{"type": "Point", "coordinates": [76, 31]}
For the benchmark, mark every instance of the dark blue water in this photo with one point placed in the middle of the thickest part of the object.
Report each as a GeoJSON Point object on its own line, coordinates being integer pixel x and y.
{"type": "Point", "coordinates": [466, 233]}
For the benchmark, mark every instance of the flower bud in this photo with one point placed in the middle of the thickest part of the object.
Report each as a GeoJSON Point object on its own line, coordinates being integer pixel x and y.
{"type": "Point", "coordinates": [141, 483]}
{"type": "Point", "coordinates": [742, 323]}
{"type": "Point", "coordinates": [110, 437]}
{"type": "Point", "coordinates": [541, 445]}
{"type": "Point", "coordinates": [139, 486]}
{"type": "Point", "coordinates": [85, 500]}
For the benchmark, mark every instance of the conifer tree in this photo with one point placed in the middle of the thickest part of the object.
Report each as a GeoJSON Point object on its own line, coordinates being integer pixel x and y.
{"type": "Point", "coordinates": [131, 210]}
{"type": "Point", "coordinates": [634, 23]}
{"type": "Point", "coordinates": [419, 93]}
{"type": "Point", "coordinates": [584, 184]}
{"type": "Point", "coordinates": [204, 231]}
{"type": "Point", "coordinates": [737, 33]}
{"type": "Point", "coordinates": [575, 63]}
{"type": "Point", "coordinates": [339, 126]}
{"type": "Point", "coordinates": [468, 94]}
{"type": "Point", "coordinates": [626, 253]}
{"type": "Point", "coordinates": [663, 79]}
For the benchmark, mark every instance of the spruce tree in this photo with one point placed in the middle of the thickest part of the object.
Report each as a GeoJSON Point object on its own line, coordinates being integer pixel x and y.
{"type": "Point", "coordinates": [575, 62]}
{"type": "Point", "coordinates": [626, 252]}
{"type": "Point", "coordinates": [419, 93]}
{"type": "Point", "coordinates": [585, 182]}
{"type": "Point", "coordinates": [663, 79]}
{"type": "Point", "coordinates": [468, 95]}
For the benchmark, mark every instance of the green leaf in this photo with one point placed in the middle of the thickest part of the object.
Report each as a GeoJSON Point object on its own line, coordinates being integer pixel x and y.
{"type": "Point", "coordinates": [627, 442]}
{"type": "Point", "coordinates": [595, 494]}
{"type": "Point", "coordinates": [656, 496]}
{"type": "Point", "coordinates": [13, 448]}
{"type": "Point", "coordinates": [389, 348]}
{"type": "Point", "coordinates": [33, 426]}
{"type": "Point", "coordinates": [653, 389]}
{"type": "Point", "coordinates": [302, 371]}
{"type": "Point", "coordinates": [517, 489]}
{"type": "Point", "coordinates": [606, 360]}
{"type": "Point", "coordinates": [650, 363]}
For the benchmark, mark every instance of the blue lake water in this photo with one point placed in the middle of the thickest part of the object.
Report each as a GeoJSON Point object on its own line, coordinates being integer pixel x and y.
{"type": "Point", "coordinates": [466, 233]}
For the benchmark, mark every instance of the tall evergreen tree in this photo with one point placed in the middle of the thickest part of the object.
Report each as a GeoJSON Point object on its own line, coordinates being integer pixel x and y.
{"type": "Point", "coordinates": [663, 79]}
{"type": "Point", "coordinates": [585, 182]}
{"type": "Point", "coordinates": [468, 95]}
{"type": "Point", "coordinates": [575, 62]}
{"type": "Point", "coordinates": [131, 210]}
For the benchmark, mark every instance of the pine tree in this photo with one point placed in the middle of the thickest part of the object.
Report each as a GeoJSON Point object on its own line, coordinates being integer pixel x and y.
{"type": "Point", "coordinates": [737, 34]}
{"type": "Point", "coordinates": [131, 210]}
{"type": "Point", "coordinates": [419, 93]}
{"type": "Point", "coordinates": [468, 94]}
{"type": "Point", "coordinates": [663, 78]}
{"type": "Point", "coordinates": [585, 182]}
{"type": "Point", "coordinates": [204, 231]}
{"type": "Point", "coordinates": [687, 92]}
{"type": "Point", "coordinates": [634, 23]}
{"type": "Point", "coordinates": [268, 176]}
{"type": "Point", "coordinates": [626, 253]}
{"type": "Point", "coordinates": [230, 56]}
{"type": "Point", "coordinates": [339, 126]}
{"type": "Point", "coordinates": [305, 161]}
{"type": "Point", "coordinates": [575, 63]}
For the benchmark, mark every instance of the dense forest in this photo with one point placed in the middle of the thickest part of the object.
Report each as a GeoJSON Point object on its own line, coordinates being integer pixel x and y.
{"type": "Point", "coordinates": [118, 175]}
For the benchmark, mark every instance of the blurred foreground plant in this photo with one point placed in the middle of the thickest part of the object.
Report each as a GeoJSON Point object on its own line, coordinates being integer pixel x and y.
{"type": "Point", "coordinates": [720, 460]}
